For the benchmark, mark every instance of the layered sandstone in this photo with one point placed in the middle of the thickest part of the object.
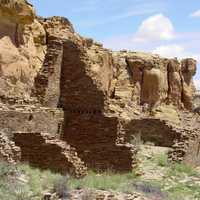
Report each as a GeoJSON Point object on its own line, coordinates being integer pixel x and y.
{"type": "Point", "coordinates": [22, 45]}
{"type": "Point", "coordinates": [103, 103]}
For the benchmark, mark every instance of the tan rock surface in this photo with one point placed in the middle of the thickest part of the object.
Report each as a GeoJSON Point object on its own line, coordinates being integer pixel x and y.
{"type": "Point", "coordinates": [22, 45]}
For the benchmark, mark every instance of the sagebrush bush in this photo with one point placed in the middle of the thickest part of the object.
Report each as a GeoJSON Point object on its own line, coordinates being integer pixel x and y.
{"type": "Point", "coordinates": [103, 181]}
{"type": "Point", "coordinates": [60, 187]}
{"type": "Point", "coordinates": [36, 182]}
{"type": "Point", "coordinates": [6, 169]}
{"type": "Point", "coordinates": [150, 189]}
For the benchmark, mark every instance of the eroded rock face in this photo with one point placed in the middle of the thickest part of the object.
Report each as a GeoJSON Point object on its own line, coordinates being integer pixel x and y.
{"type": "Point", "coordinates": [22, 45]}
{"type": "Point", "coordinates": [175, 87]}
{"type": "Point", "coordinates": [103, 95]}
{"type": "Point", "coordinates": [188, 70]}
{"type": "Point", "coordinates": [158, 80]}
{"type": "Point", "coordinates": [19, 11]}
{"type": "Point", "coordinates": [196, 101]}
{"type": "Point", "coordinates": [148, 72]}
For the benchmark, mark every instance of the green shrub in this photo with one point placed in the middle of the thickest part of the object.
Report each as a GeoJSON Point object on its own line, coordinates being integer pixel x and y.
{"type": "Point", "coordinates": [178, 169]}
{"type": "Point", "coordinates": [37, 181]}
{"type": "Point", "coordinates": [184, 191]}
{"type": "Point", "coordinates": [161, 160]}
{"type": "Point", "coordinates": [107, 180]}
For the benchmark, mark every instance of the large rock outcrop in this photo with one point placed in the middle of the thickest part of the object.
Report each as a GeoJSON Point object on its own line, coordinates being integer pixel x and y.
{"type": "Point", "coordinates": [22, 45]}
{"type": "Point", "coordinates": [103, 103]}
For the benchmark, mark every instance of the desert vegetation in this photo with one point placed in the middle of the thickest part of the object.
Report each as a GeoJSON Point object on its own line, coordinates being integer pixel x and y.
{"type": "Point", "coordinates": [22, 182]}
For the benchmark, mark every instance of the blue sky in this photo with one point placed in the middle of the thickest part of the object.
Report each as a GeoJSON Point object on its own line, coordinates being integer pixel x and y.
{"type": "Point", "coordinates": [168, 27]}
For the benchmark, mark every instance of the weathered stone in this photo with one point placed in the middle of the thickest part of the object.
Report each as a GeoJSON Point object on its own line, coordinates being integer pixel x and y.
{"type": "Point", "coordinates": [104, 195]}
{"type": "Point", "coordinates": [47, 152]}
{"type": "Point", "coordinates": [19, 11]}
{"type": "Point", "coordinates": [22, 46]}
{"type": "Point", "coordinates": [9, 152]}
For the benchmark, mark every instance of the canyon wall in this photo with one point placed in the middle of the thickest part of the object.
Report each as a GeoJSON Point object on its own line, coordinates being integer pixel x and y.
{"type": "Point", "coordinates": [101, 103]}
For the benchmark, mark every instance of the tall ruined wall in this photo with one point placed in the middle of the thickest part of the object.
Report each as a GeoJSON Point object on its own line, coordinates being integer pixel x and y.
{"type": "Point", "coordinates": [84, 76]}
{"type": "Point", "coordinates": [71, 61]}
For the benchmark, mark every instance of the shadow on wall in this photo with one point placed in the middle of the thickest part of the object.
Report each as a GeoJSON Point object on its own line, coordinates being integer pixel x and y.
{"type": "Point", "coordinates": [78, 90]}
{"type": "Point", "coordinates": [151, 131]}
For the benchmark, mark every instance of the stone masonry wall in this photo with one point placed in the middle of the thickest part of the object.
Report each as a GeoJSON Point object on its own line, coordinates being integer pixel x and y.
{"type": "Point", "coordinates": [94, 137]}
{"type": "Point", "coordinates": [46, 152]}
{"type": "Point", "coordinates": [154, 131]}
{"type": "Point", "coordinates": [9, 152]}
{"type": "Point", "coordinates": [47, 82]}
{"type": "Point", "coordinates": [40, 120]}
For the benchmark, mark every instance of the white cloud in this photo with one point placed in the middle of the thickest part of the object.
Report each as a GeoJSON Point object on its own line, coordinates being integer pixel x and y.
{"type": "Point", "coordinates": [155, 28]}
{"type": "Point", "coordinates": [175, 50]}
{"type": "Point", "coordinates": [197, 84]}
{"type": "Point", "coordinates": [170, 51]}
{"type": "Point", "coordinates": [195, 14]}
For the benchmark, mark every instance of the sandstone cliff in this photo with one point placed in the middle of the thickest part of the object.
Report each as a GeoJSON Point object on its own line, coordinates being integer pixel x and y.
{"type": "Point", "coordinates": [23, 47]}
{"type": "Point", "coordinates": [98, 101]}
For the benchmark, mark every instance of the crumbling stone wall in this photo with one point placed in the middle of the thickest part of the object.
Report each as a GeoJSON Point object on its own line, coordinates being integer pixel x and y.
{"type": "Point", "coordinates": [186, 144]}
{"type": "Point", "coordinates": [9, 152]}
{"type": "Point", "coordinates": [151, 130]}
{"type": "Point", "coordinates": [186, 147]}
{"type": "Point", "coordinates": [192, 155]}
{"type": "Point", "coordinates": [74, 94]}
{"type": "Point", "coordinates": [41, 120]}
{"type": "Point", "coordinates": [95, 137]}
{"type": "Point", "coordinates": [86, 127]}
{"type": "Point", "coordinates": [46, 152]}
{"type": "Point", "coordinates": [47, 82]}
